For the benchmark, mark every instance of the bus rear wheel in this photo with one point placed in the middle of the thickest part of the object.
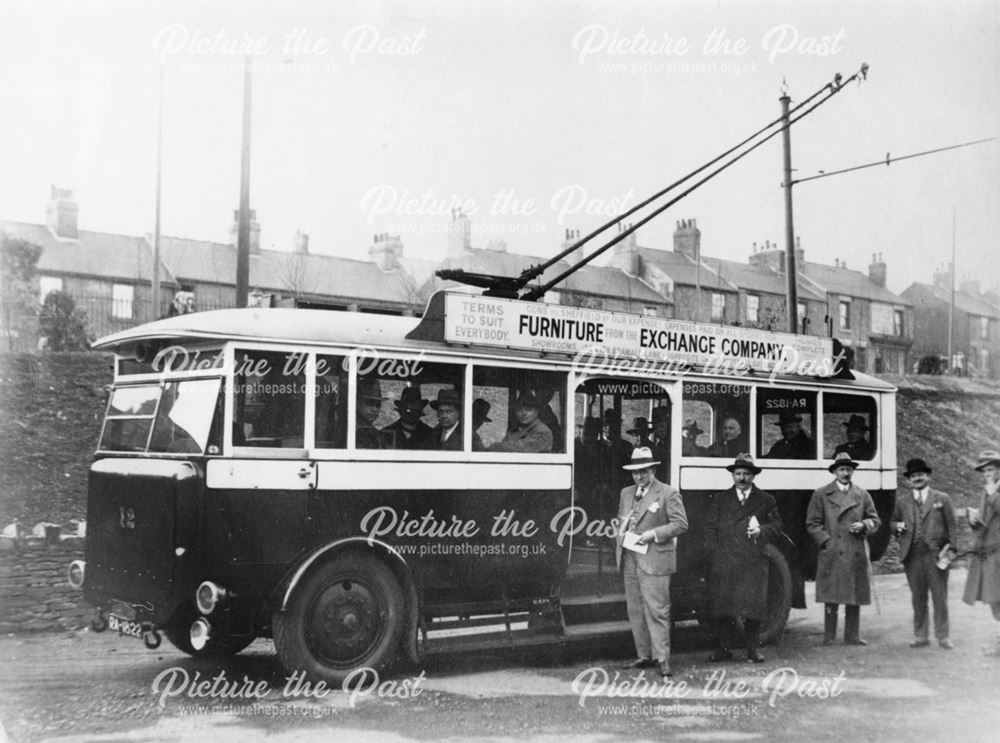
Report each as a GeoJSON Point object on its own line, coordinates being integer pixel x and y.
{"type": "Point", "coordinates": [346, 616]}
{"type": "Point", "coordinates": [178, 632]}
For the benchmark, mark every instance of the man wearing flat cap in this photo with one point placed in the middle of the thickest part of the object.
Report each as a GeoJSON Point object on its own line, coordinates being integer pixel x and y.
{"type": "Point", "coordinates": [839, 518]}
{"type": "Point", "coordinates": [923, 521]}
{"type": "Point", "coordinates": [983, 581]}
{"type": "Point", "coordinates": [795, 443]}
{"type": "Point", "coordinates": [651, 517]}
{"type": "Point", "coordinates": [740, 523]}
{"type": "Point", "coordinates": [857, 445]}
{"type": "Point", "coordinates": [530, 434]}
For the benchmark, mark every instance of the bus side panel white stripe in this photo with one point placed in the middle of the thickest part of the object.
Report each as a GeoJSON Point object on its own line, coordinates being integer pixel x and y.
{"type": "Point", "coordinates": [718, 478]}
{"type": "Point", "coordinates": [259, 474]}
{"type": "Point", "coordinates": [443, 476]}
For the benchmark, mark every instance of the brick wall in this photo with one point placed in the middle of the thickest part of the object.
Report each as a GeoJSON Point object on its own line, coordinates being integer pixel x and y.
{"type": "Point", "coordinates": [34, 591]}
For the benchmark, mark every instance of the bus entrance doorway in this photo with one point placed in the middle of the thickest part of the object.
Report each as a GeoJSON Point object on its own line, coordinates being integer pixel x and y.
{"type": "Point", "coordinates": [613, 417]}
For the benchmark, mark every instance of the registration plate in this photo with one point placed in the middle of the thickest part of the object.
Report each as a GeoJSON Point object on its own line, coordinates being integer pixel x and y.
{"type": "Point", "coordinates": [124, 626]}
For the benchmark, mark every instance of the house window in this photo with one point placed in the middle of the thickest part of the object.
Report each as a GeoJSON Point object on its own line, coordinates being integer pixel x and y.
{"type": "Point", "coordinates": [897, 322]}
{"type": "Point", "coordinates": [718, 306]}
{"type": "Point", "coordinates": [649, 311]}
{"type": "Point", "coordinates": [47, 285]}
{"type": "Point", "coordinates": [984, 327]}
{"type": "Point", "coordinates": [845, 314]}
{"type": "Point", "coordinates": [753, 307]}
{"type": "Point", "coordinates": [121, 301]}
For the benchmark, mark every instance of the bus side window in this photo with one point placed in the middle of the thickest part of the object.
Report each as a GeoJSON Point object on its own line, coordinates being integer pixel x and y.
{"type": "Point", "coordinates": [270, 398]}
{"type": "Point", "coordinates": [331, 402]}
{"type": "Point", "coordinates": [849, 425]}
{"type": "Point", "coordinates": [786, 424]}
{"type": "Point", "coordinates": [716, 419]}
{"type": "Point", "coordinates": [399, 410]}
{"type": "Point", "coordinates": [527, 409]}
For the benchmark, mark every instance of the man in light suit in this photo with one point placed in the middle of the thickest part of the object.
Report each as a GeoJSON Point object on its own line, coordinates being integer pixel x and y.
{"type": "Point", "coordinates": [924, 523]}
{"type": "Point", "coordinates": [651, 515]}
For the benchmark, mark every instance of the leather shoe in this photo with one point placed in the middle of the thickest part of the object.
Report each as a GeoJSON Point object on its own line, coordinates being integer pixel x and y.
{"type": "Point", "coordinates": [641, 663]}
{"type": "Point", "coordinates": [665, 669]}
{"type": "Point", "coordinates": [946, 644]}
{"type": "Point", "coordinates": [754, 656]}
{"type": "Point", "coordinates": [829, 641]}
{"type": "Point", "coordinates": [720, 655]}
{"type": "Point", "coordinates": [920, 643]}
{"type": "Point", "coordinates": [855, 641]}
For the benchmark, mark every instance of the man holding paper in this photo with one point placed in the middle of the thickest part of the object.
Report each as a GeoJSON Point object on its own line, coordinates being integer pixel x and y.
{"type": "Point", "coordinates": [740, 523]}
{"type": "Point", "coordinates": [651, 516]}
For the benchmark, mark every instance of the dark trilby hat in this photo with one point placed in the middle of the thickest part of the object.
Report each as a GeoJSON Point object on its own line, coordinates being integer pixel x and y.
{"type": "Point", "coordinates": [840, 460]}
{"type": "Point", "coordinates": [448, 397]}
{"type": "Point", "coordinates": [987, 457]}
{"type": "Point", "coordinates": [857, 421]}
{"type": "Point", "coordinates": [370, 389]}
{"type": "Point", "coordinates": [642, 457]}
{"type": "Point", "coordinates": [788, 416]}
{"type": "Point", "coordinates": [481, 411]}
{"type": "Point", "coordinates": [916, 465]}
{"type": "Point", "coordinates": [410, 398]}
{"type": "Point", "coordinates": [640, 425]}
{"type": "Point", "coordinates": [744, 462]}
{"type": "Point", "coordinates": [691, 425]}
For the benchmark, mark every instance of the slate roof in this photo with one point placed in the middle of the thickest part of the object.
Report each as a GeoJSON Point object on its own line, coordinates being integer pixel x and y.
{"type": "Point", "coordinates": [684, 270]}
{"type": "Point", "coordinates": [964, 301]}
{"type": "Point", "coordinates": [97, 254]}
{"type": "Point", "coordinates": [754, 279]}
{"type": "Point", "coordinates": [851, 283]}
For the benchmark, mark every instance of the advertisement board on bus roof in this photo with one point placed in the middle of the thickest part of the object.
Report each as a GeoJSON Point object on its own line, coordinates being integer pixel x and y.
{"type": "Point", "coordinates": [508, 323]}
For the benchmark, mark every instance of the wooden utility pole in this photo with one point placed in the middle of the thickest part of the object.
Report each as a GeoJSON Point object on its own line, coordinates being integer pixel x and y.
{"type": "Point", "coordinates": [792, 287]}
{"type": "Point", "coordinates": [243, 230]}
{"type": "Point", "coordinates": [155, 298]}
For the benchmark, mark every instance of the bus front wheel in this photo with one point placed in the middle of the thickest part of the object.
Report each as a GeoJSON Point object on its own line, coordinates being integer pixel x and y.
{"type": "Point", "coordinates": [346, 616]}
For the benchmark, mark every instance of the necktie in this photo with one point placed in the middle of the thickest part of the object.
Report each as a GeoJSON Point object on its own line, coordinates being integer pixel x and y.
{"type": "Point", "coordinates": [743, 496]}
{"type": "Point", "coordinates": [639, 492]}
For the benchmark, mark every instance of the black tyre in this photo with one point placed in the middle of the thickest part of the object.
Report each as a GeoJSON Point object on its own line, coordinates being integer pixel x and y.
{"type": "Point", "coordinates": [346, 615]}
{"type": "Point", "coordinates": [178, 632]}
{"type": "Point", "coordinates": [779, 595]}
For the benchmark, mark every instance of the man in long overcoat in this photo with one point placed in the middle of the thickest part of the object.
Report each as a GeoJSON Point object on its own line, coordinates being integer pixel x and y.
{"type": "Point", "coordinates": [839, 518]}
{"type": "Point", "coordinates": [983, 581]}
{"type": "Point", "coordinates": [740, 523]}
{"type": "Point", "coordinates": [652, 516]}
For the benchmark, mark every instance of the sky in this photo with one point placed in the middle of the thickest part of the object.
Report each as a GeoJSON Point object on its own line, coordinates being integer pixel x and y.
{"type": "Point", "coordinates": [534, 117]}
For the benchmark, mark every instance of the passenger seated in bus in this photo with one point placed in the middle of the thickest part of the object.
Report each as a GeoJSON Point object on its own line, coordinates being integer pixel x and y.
{"type": "Point", "coordinates": [689, 439]}
{"type": "Point", "coordinates": [857, 444]}
{"type": "Point", "coordinates": [640, 432]}
{"type": "Point", "coordinates": [409, 432]}
{"type": "Point", "coordinates": [530, 434]}
{"type": "Point", "coordinates": [795, 443]}
{"type": "Point", "coordinates": [547, 416]}
{"type": "Point", "coordinates": [732, 442]}
{"type": "Point", "coordinates": [369, 406]}
{"type": "Point", "coordinates": [448, 432]}
{"type": "Point", "coordinates": [480, 415]}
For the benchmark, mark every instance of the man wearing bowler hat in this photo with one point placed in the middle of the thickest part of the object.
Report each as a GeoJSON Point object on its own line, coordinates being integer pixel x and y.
{"type": "Point", "coordinates": [923, 521]}
{"type": "Point", "coordinates": [857, 445]}
{"type": "Point", "coordinates": [740, 523]}
{"type": "Point", "coordinates": [651, 516]}
{"type": "Point", "coordinates": [795, 443]}
{"type": "Point", "coordinates": [839, 518]}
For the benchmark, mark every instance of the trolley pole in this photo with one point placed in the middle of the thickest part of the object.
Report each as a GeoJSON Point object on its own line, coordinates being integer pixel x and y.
{"type": "Point", "coordinates": [792, 288]}
{"type": "Point", "coordinates": [243, 229]}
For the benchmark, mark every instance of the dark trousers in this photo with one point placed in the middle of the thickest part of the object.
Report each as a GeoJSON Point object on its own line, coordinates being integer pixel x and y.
{"type": "Point", "coordinates": [924, 576]}
{"type": "Point", "coordinates": [726, 632]}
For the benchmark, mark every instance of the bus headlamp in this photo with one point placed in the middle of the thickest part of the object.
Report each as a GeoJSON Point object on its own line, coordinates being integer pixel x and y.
{"type": "Point", "coordinates": [209, 596]}
{"type": "Point", "coordinates": [200, 632]}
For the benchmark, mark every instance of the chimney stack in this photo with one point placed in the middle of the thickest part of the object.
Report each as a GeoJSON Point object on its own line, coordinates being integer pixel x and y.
{"type": "Point", "coordinates": [300, 243]}
{"type": "Point", "coordinates": [768, 257]}
{"type": "Point", "coordinates": [385, 251]}
{"type": "Point", "coordinates": [970, 286]}
{"type": "Point", "coordinates": [625, 255]}
{"type": "Point", "coordinates": [234, 231]}
{"type": "Point", "coordinates": [459, 234]}
{"type": "Point", "coordinates": [876, 271]}
{"type": "Point", "coordinates": [942, 277]}
{"type": "Point", "coordinates": [61, 213]}
{"type": "Point", "coordinates": [687, 239]}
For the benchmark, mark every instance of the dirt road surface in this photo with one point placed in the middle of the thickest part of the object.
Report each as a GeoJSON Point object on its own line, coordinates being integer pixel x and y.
{"type": "Point", "coordinates": [88, 687]}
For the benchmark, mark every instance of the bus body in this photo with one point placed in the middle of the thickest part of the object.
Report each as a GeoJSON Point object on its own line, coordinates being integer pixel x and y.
{"type": "Point", "coordinates": [255, 477]}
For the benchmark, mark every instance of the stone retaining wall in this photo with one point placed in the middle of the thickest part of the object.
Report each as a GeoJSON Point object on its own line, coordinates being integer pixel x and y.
{"type": "Point", "coordinates": [34, 591]}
